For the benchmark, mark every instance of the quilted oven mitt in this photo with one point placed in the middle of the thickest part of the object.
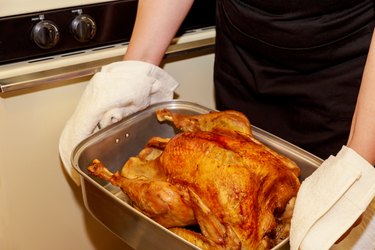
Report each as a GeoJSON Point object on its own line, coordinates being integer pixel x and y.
{"type": "Point", "coordinates": [331, 200]}
{"type": "Point", "coordinates": [118, 90]}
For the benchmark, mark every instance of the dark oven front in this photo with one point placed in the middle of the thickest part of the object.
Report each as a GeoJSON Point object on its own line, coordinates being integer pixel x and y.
{"type": "Point", "coordinates": [37, 35]}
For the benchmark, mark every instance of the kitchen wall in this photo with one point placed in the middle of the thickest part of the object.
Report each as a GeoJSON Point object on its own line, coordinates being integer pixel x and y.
{"type": "Point", "coordinates": [40, 207]}
{"type": "Point", "coordinates": [15, 7]}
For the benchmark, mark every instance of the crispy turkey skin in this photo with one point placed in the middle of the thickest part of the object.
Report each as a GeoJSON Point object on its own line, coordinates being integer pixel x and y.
{"type": "Point", "coordinates": [214, 174]}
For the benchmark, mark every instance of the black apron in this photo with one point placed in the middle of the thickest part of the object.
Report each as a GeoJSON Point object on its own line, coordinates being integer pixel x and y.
{"type": "Point", "coordinates": [293, 67]}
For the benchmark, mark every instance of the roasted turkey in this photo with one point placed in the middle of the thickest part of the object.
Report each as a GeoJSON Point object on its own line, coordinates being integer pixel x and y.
{"type": "Point", "coordinates": [213, 174]}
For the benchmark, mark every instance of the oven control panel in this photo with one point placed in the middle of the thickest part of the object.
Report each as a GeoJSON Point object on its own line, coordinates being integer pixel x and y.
{"type": "Point", "coordinates": [35, 36]}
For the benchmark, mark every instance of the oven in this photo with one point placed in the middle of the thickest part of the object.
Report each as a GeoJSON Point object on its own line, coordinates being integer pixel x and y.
{"type": "Point", "coordinates": [48, 52]}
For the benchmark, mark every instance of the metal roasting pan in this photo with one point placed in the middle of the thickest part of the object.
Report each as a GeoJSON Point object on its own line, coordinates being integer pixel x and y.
{"type": "Point", "coordinates": [116, 143]}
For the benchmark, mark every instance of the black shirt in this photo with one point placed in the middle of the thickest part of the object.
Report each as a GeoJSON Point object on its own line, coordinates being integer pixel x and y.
{"type": "Point", "coordinates": [294, 67]}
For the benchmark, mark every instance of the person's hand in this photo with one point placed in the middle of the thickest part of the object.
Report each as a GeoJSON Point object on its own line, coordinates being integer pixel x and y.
{"type": "Point", "coordinates": [118, 90]}
{"type": "Point", "coordinates": [331, 200]}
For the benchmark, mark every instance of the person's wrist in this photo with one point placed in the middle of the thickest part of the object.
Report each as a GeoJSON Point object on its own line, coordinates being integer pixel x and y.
{"type": "Point", "coordinates": [149, 57]}
{"type": "Point", "coordinates": [364, 152]}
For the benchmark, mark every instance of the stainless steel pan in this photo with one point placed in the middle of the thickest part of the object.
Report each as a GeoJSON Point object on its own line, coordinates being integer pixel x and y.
{"type": "Point", "coordinates": [115, 144]}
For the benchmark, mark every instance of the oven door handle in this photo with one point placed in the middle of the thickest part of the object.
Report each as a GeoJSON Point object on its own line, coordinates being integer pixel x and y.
{"type": "Point", "coordinates": [77, 71]}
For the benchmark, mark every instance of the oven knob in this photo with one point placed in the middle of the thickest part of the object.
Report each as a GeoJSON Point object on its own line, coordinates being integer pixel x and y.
{"type": "Point", "coordinates": [45, 34]}
{"type": "Point", "coordinates": [83, 28]}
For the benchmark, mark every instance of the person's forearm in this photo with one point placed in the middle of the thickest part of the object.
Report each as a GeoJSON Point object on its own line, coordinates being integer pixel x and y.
{"type": "Point", "coordinates": [362, 134]}
{"type": "Point", "coordinates": [156, 24]}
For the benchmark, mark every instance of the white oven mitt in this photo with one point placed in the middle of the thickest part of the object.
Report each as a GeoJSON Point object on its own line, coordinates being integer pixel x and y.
{"type": "Point", "coordinates": [362, 237]}
{"type": "Point", "coordinates": [331, 200]}
{"type": "Point", "coordinates": [118, 90]}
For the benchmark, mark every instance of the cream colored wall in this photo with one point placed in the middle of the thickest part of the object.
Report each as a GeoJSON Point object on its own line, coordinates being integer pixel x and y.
{"type": "Point", "coordinates": [28, 6]}
{"type": "Point", "coordinates": [40, 207]}
{"type": "Point", "coordinates": [195, 76]}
